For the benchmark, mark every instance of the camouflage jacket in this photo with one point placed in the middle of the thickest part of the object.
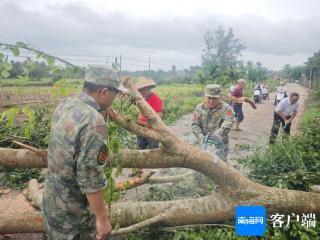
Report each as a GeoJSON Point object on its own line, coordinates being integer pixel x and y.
{"type": "Point", "coordinates": [218, 121]}
{"type": "Point", "coordinates": [77, 154]}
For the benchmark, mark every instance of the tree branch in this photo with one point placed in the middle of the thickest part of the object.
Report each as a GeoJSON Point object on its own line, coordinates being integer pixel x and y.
{"type": "Point", "coordinates": [215, 208]}
{"type": "Point", "coordinates": [135, 182]}
{"type": "Point", "coordinates": [137, 226]}
{"type": "Point", "coordinates": [34, 194]}
{"type": "Point", "coordinates": [132, 126]}
{"type": "Point", "coordinates": [26, 47]}
{"type": "Point", "coordinates": [22, 158]}
{"type": "Point", "coordinates": [153, 119]}
{"type": "Point", "coordinates": [167, 138]}
{"type": "Point", "coordinates": [170, 179]}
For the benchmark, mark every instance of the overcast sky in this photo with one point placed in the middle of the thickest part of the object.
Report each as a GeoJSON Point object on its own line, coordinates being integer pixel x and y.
{"type": "Point", "coordinates": [275, 32]}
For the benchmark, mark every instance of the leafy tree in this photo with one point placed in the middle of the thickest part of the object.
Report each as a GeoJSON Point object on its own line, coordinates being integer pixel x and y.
{"type": "Point", "coordinates": [16, 70]}
{"type": "Point", "coordinates": [312, 69]}
{"type": "Point", "coordinates": [201, 78]}
{"type": "Point", "coordinates": [220, 54]}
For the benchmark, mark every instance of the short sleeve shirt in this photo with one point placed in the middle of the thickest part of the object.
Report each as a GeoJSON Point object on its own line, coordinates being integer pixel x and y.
{"type": "Point", "coordinates": [156, 103]}
{"type": "Point", "coordinates": [286, 107]}
{"type": "Point", "coordinates": [231, 88]}
{"type": "Point", "coordinates": [237, 92]}
{"type": "Point", "coordinates": [77, 153]}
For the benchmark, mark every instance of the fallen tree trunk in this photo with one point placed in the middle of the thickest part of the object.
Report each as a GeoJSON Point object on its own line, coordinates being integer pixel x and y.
{"type": "Point", "coordinates": [234, 189]}
{"type": "Point", "coordinates": [215, 208]}
{"type": "Point", "coordinates": [170, 179]}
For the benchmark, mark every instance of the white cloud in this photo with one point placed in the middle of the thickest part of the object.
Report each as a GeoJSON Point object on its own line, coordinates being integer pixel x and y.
{"type": "Point", "coordinates": [170, 32]}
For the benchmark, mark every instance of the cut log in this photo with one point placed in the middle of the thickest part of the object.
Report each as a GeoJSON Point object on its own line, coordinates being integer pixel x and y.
{"type": "Point", "coordinates": [234, 189]}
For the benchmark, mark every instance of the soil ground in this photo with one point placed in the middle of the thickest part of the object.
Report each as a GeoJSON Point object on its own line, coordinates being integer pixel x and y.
{"type": "Point", "coordinates": [256, 130]}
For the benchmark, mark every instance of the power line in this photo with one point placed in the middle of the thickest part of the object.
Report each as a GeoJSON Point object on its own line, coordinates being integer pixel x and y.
{"type": "Point", "coordinates": [107, 57]}
{"type": "Point", "coordinates": [146, 64]}
{"type": "Point", "coordinates": [136, 60]}
{"type": "Point", "coordinates": [85, 60]}
{"type": "Point", "coordinates": [134, 64]}
{"type": "Point", "coordinates": [81, 55]}
{"type": "Point", "coordinates": [147, 60]}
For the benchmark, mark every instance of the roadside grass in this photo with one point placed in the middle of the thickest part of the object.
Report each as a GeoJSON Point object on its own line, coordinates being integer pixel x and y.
{"type": "Point", "coordinates": [293, 162]}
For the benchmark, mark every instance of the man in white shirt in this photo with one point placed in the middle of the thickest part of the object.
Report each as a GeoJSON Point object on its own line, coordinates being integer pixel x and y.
{"type": "Point", "coordinates": [286, 111]}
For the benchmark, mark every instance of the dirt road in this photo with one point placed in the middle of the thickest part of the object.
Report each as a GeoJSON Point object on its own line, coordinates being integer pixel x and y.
{"type": "Point", "coordinates": [256, 130]}
{"type": "Point", "coordinates": [256, 126]}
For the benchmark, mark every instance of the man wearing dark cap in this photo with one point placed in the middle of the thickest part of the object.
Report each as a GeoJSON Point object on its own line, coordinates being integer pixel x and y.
{"type": "Point", "coordinates": [212, 120]}
{"type": "Point", "coordinates": [73, 200]}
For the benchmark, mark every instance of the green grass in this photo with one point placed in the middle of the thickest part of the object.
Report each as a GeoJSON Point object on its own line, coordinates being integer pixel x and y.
{"type": "Point", "coordinates": [293, 162]}
{"type": "Point", "coordinates": [178, 99]}
{"type": "Point", "coordinates": [313, 109]}
{"type": "Point", "coordinates": [183, 97]}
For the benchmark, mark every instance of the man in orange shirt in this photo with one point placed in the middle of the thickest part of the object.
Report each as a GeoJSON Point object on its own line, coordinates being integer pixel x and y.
{"type": "Point", "coordinates": [144, 86]}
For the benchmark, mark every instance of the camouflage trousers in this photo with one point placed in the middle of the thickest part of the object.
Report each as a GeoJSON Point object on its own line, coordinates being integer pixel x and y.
{"type": "Point", "coordinates": [59, 227]}
{"type": "Point", "coordinates": [220, 150]}
{"type": "Point", "coordinates": [62, 234]}
{"type": "Point", "coordinates": [223, 151]}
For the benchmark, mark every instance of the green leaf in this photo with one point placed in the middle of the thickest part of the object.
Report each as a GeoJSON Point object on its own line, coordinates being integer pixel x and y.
{"type": "Point", "coordinates": [10, 116]}
{"type": "Point", "coordinates": [7, 66]}
{"type": "Point", "coordinates": [117, 227]}
{"type": "Point", "coordinates": [5, 73]}
{"type": "Point", "coordinates": [38, 55]}
{"type": "Point", "coordinates": [26, 70]}
{"type": "Point", "coordinates": [50, 60]}
{"type": "Point", "coordinates": [21, 45]}
{"type": "Point", "coordinates": [15, 51]}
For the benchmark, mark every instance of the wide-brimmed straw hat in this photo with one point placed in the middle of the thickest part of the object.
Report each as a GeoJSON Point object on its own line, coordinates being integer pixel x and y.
{"type": "Point", "coordinates": [241, 81]}
{"type": "Point", "coordinates": [145, 83]}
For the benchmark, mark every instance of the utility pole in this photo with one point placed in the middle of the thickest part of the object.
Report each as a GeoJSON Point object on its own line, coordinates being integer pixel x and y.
{"type": "Point", "coordinates": [310, 79]}
{"type": "Point", "coordinates": [120, 63]}
{"type": "Point", "coordinates": [116, 62]}
{"type": "Point", "coordinates": [149, 64]}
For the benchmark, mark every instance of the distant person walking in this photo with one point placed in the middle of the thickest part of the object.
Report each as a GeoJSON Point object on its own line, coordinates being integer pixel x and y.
{"type": "Point", "coordinates": [230, 90]}
{"type": "Point", "coordinates": [285, 112]}
{"type": "Point", "coordinates": [236, 98]}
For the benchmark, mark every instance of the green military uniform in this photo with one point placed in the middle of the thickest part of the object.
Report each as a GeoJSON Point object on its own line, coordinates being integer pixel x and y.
{"type": "Point", "coordinates": [218, 121]}
{"type": "Point", "coordinates": [77, 154]}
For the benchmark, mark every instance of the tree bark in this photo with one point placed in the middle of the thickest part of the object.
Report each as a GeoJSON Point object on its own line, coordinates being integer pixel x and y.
{"type": "Point", "coordinates": [234, 189]}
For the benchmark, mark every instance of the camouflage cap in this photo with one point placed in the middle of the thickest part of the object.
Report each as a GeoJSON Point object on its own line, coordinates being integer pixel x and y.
{"type": "Point", "coordinates": [213, 90]}
{"type": "Point", "coordinates": [105, 76]}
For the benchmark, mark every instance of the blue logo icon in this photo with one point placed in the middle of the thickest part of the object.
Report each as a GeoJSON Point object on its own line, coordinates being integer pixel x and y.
{"type": "Point", "coordinates": [250, 220]}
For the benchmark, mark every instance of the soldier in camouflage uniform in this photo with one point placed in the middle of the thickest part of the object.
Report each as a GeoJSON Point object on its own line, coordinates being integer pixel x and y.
{"type": "Point", "coordinates": [77, 154]}
{"type": "Point", "coordinates": [213, 117]}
